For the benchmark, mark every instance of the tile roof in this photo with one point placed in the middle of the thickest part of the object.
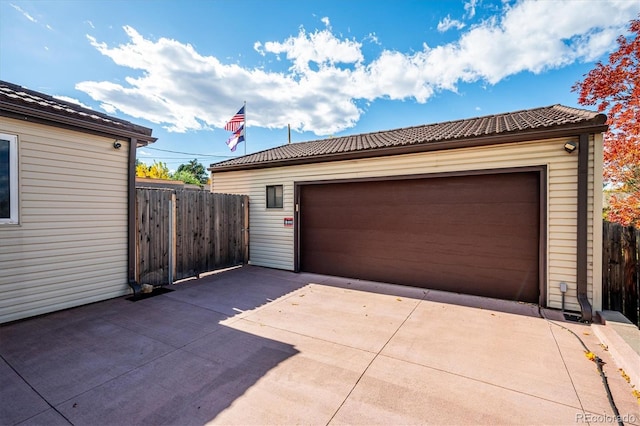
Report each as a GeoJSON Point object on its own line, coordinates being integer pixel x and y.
{"type": "Point", "coordinates": [551, 121]}
{"type": "Point", "coordinates": [23, 102]}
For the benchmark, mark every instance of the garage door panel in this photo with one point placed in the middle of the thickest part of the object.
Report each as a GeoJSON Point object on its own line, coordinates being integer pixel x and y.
{"type": "Point", "coordinates": [345, 241]}
{"type": "Point", "coordinates": [471, 234]}
{"type": "Point", "coordinates": [392, 218]}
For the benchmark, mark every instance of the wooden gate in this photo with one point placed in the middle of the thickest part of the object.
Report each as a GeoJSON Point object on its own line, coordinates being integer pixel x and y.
{"type": "Point", "coordinates": [621, 270]}
{"type": "Point", "coordinates": [184, 233]}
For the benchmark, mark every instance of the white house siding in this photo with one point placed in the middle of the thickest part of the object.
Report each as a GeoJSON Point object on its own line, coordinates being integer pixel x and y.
{"type": "Point", "coordinates": [70, 247]}
{"type": "Point", "coordinates": [272, 244]}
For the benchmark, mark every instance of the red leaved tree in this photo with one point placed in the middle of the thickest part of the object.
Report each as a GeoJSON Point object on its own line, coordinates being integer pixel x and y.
{"type": "Point", "coordinates": [614, 87]}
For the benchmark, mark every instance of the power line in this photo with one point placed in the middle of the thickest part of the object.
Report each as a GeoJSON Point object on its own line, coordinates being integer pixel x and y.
{"type": "Point", "coordinates": [166, 158]}
{"type": "Point", "coordinates": [190, 153]}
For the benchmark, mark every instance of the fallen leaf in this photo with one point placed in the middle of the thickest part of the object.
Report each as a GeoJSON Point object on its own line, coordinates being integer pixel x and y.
{"type": "Point", "coordinates": [624, 375]}
{"type": "Point", "coordinates": [398, 299]}
{"type": "Point", "coordinates": [590, 355]}
{"type": "Point", "coordinates": [586, 333]}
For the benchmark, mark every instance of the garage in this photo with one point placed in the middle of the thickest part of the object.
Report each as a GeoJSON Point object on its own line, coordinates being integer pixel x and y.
{"type": "Point", "coordinates": [505, 205]}
{"type": "Point", "coordinates": [476, 234]}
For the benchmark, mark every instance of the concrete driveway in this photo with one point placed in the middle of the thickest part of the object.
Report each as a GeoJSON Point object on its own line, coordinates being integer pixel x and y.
{"type": "Point", "coordinates": [260, 346]}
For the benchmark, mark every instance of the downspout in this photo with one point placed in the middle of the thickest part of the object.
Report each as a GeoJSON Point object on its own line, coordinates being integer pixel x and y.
{"type": "Point", "coordinates": [131, 217]}
{"type": "Point", "coordinates": [582, 227]}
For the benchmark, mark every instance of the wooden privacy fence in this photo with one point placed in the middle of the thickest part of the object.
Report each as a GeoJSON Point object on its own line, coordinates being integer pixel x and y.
{"type": "Point", "coordinates": [183, 233]}
{"type": "Point", "coordinates": [621, 270]}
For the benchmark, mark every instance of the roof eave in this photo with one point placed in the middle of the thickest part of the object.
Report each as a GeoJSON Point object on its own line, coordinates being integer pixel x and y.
{"type": "Point", "coordinates": [20, 112]}
{"type": "Point", "coordinates": [596, 126]}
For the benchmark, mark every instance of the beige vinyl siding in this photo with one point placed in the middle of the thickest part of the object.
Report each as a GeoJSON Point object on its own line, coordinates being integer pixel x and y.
{"type": "Point", "coordinates": [70, 247]}
{"type": "Point", "coordinates": [272, 245]}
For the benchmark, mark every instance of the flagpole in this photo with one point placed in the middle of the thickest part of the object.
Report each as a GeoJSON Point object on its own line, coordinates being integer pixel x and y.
{"type": "Point", "coordinates": [245, 127]}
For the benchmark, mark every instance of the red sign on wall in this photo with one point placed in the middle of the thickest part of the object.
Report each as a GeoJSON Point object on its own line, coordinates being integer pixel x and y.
{"type": "Point", "coordinates": [288, 222]}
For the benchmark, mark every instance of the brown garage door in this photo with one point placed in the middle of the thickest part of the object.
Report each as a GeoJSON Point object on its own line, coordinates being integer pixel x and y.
{"type": "Point", "coordinates": [474, 234]}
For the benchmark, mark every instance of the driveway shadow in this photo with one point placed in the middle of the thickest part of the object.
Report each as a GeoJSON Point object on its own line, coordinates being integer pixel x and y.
{"type": "Point", "coordinates": [161, 360]}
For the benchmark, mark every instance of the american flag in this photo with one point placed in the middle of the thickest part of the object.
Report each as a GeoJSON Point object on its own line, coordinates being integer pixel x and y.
{"type": "Point", "coordinates": [235, 122]}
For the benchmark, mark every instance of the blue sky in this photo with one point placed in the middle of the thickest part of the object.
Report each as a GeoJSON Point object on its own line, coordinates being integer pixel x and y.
{"type": "Point", "coordinates": [325, 67]}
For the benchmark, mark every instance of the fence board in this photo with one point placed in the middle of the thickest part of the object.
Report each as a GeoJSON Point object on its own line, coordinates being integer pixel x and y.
{"type": "Point", "coordinates": [152, 208]}
{"type": "Point", "coordinates": [621, 270]}
{"type": "Point", "coordinates": [207, 228]}
{"type": "Point", "coordinates": [217, 226]}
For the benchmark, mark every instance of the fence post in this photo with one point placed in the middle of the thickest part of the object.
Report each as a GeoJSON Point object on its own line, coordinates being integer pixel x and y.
{"type": "Point", "coordinates": [172, 237]}
{"type": "Point", "coordinates": [245, 226]}
{"type": "Point", "coordinates": [140, 199]}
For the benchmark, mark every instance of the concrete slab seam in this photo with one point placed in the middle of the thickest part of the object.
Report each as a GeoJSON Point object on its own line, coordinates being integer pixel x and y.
{"type": "Point", "coordinates": [566, 368]}
{"type": "Point", "coordinates": [34, 390]}
{"type": "Point", "coordinates": [376, 357]}
{"type": "Point", "coordinates": [479, 381]}
{"type": "Point", "coordinates": [117, 377]}
{"type": "Point", "coordinates": [599, 363]}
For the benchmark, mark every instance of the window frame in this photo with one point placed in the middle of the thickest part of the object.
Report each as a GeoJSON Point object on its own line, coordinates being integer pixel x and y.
{"type": "Point", "coordinates": [275, 197]}
{"type": "Point", "coordinates": [14, 198]}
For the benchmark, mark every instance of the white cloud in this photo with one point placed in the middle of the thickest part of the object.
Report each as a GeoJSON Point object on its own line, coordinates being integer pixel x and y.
{"type": "Point", "coordinates": [182, 90]}
{"type": "Point", "coordinates": [25, 14]}
{"type": "Point", "coordinates": [447, 23]}
{"type": "Point", "coordinates": [257, 46]}
{"type": "Point", "coordinates": [326, 21]}
{"type": "Point", "coordinates": [524, 39]}
{"type": "Point", "coordinates": [321, 47]}
{"type": "Point", "coordinates": [72, 100]}
{"type": "Point", "coordinates": [110, 109]}
{"type": "Point", "coordinates": [30, 17]}
{"type": "Point", "coordinates": [470, 8]}
{"type": "Point", "coordinates": [373, 38]}
{"type": "Point", "coordinates": [90, 24]}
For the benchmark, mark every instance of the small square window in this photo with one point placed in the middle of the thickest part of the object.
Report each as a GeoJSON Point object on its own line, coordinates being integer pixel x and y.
{"type": "Point", "coordinates": [274, 197]}
{"type": "Point", "coordinates": [8, 179]}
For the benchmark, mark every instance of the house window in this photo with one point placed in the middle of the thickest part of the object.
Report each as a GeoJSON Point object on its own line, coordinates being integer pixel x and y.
{"type": "Point", "coordinates": [274, 197]}
{"type": "Point", "coordinates": [8, 179]}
